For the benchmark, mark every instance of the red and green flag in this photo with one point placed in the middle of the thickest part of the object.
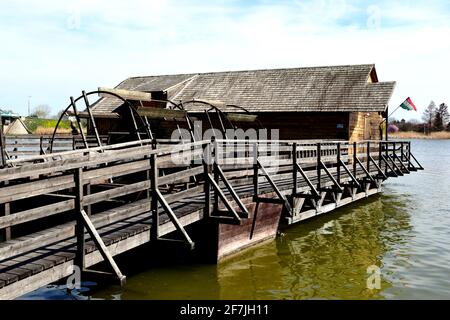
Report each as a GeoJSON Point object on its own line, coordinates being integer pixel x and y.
{"type": "Point", "coordinates": [408, 105]}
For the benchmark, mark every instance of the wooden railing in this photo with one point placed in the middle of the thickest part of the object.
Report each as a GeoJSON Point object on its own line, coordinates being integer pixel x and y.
{"type": "Point", "coordinates": [111, 183]}
{"type": "Point", "coordinates": [23, 146]}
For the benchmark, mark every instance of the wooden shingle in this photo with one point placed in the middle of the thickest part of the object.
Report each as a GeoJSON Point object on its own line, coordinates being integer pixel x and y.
{"type": "Point", "coordinates": [313, 89]}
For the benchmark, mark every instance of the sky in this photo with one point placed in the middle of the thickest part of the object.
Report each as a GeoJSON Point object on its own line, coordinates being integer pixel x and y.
{"type": "Point", "coordinates": [54, 49]}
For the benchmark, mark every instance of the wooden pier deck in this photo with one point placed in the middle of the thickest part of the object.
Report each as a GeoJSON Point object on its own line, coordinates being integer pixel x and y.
{"type": "Point", "coordinates": [81, 207]}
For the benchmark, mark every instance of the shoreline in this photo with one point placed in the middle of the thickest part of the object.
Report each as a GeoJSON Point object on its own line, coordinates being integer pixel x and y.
{"type": "Point", "coordinates": [441, 135]}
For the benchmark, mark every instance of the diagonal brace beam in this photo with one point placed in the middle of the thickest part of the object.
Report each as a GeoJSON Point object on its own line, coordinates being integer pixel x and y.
{"type": "Point", "coordinates": [274, 187]}
{"type": "Point", "coordinates": [222, 197]}
{"type": "Point", "coordinates": [173, 218]}
{"type": "Point", "coordinates": [231, 190]}
{"type": "Point", "coordinates": [401, 163]}
{"type": "Point", "coordinates": [308, 181]}
{"type": "Point", "coordinates": [365, 170]}
{"type": "Point", "coordinates": [350, 174]}
{"type": "Point", "coordinates": [101, 246]}
{"type": "Point", "coordinates": [389, 166]}
{"type": "Point", "coordinates": [377, 166]}
{"type": "Point", "coordinates": [332, 178]}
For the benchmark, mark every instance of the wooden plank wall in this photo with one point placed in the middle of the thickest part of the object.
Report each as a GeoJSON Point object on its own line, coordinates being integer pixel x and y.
{"type": "Point", "coordinates": [364, 126]}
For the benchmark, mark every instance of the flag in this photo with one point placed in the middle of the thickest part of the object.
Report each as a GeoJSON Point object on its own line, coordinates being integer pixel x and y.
{"type": "Point", "coordinates": [408, 105]}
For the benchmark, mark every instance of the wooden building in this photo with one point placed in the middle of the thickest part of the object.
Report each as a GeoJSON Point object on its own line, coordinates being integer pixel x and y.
{"type": "Point", "coordinates": [334, 102]}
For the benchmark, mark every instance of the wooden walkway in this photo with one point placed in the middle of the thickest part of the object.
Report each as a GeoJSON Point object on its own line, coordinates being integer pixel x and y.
{"type": "Point", "coordinates": [85, 206]}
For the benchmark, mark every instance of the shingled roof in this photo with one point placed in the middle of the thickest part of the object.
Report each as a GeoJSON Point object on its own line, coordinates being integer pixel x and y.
{"type": "Point", "coordinates": [324, 89]}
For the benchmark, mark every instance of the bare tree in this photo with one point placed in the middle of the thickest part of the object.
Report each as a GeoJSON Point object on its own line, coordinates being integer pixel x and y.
{"type": "Point", "coordinates": [428, 116]}
{"type": "Point", "coordinates": [441, 117]}
{"type": "Point", "coordinates": [41, 111]}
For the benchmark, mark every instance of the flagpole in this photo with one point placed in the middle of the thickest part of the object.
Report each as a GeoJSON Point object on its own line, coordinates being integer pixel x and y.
{"type": "Point", "coordinates": [394, 111]}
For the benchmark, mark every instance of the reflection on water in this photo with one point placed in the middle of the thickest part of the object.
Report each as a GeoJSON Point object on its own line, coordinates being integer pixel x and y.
{"type": "Point", "coordinates": [325, 258]}
{"type": "Point", "coordinates": [404, 231]}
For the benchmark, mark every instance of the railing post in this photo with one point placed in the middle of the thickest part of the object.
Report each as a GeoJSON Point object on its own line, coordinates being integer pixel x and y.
{"type": "Point", "coordinates": [387, 155]}
{"type": "Point", "coordinates": [215, 157]}
{"type": "Point", "coordinates": [380, 150]}
{"type": "Point", "coordinates": [401, 152]}
{"type": "Point", "coordinates": [255, 170]}
{"type": "Point", "coordinates": [41, 145]}
{"type": "Point", "coordinates": [355, 156]}
{"type": "Point", "coordinates": [6, 211]}
{"type": "Point", "coordinates": [79, 229]}
{"type": "Point", "coordinates": [294, 168]}
{"type": "Point", "coordinates": [207, 184]}
{"type": "Point", "coordinates": [2, 146]}
{"type": "Point", "coordinates": [338, 164]}
{"type": "Point", "coordinates": [154, 201]}
{"type": "Point", "coordinates": [319, 166]}
{"type": "Point", "coordinates": [409, 154]}
{"type": "Point", "coordinates": [394, 151]}
{"type": "Point", "coordinates": [368, 156]}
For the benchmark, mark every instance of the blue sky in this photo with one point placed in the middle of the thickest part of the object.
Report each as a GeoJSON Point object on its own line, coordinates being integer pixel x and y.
{"type": "Point", "coordinates": [54, 49]}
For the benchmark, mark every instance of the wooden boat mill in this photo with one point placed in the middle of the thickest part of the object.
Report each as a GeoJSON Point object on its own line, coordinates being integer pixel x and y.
{"type": "Point", "coordinates": [216, 161]}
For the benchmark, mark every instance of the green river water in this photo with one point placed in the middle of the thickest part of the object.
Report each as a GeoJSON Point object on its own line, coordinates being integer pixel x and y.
{"type": "Point", "coordinates": [404, 231]}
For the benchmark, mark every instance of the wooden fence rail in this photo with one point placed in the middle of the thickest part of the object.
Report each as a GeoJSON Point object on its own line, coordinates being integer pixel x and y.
{"type": "Point", "coordinates": [81, 190]}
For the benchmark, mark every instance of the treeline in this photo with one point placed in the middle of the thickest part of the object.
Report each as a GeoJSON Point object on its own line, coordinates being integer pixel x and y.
{"type": "Point", "coordinates": [434, 118]}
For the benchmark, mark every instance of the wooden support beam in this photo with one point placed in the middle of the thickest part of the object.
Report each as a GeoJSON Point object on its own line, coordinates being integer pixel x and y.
{"type": "Point", "coordinates": [222, 197]}
{"type": "Point", "coordinates": [336, 184]}
{"type": "Point", "coordinates": [2, 146]}
{"type": "Point", "coordinates": [369, 176]}
{"type": "Point", "coordinates": [388, 166]}
{"type": "Point", "coordinates": [355, 181]}
{"type": "Point", "coordinates": [154, 197]}
{"type": "Point", "coordinates": [174, 218]}
{"type": "Point", "coordinates": [380, 171]}
{"type": "Point", "coordinates": [79, 229]}
{"type": "Point", "coordinates": [221, 175]}
{"type": "Point", "coordinates": [314, 191]}
{"type": "Point", "coordinates": [101, 246]}
{"type": "Point", "coordinates": [240, 117]}
{"type": "Point", "coordinates": [126, 94]}
{"type": "Point", "coordinates": [275, 187]}
{"type": "Point", "coordinates": [160, 113]}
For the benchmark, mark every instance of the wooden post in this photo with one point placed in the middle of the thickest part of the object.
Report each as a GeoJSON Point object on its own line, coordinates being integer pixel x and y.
{"type": "Point", "coordinates": [394, 151]}
{"type": "Point", "coordinates": [338, 164]}
{"type": "Point", "coordinates": [6, 211]}
{"type": "Point", "coordinates": [79, 229]}
{"type": "Point", "coordinates": [401, 150]}
{"type": "Point", "coordinates": [255, 170]}
{"type": "Point", "coordinates": [319, 166]}
{"type": "Point", "coordinates": [380, 153]}
{"type": "Point", "coordinates": [409, 154]}
{"type": "Point", "coordinates": [368, 156]}
{"type": "Point", "coordinates": [355, 156]}
{"type": "Point", "coordinates": [2, 146]}
{"type": "Point", "coordinates": [387, 155]}
{"type": "Point", "coordinates": [215, 157]}
{"type": "Point", "coordinates": [294, 170]}
{"type": "Point", "coordinates": [154, 202]}
{"type": "Point", "coordinates": [41, 145]}
{"type": "Point", "coordinates": [207, 190]}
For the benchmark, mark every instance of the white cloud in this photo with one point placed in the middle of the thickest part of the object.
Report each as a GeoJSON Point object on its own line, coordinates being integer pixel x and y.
{"type": "Point", "coordinates": [50, 53]}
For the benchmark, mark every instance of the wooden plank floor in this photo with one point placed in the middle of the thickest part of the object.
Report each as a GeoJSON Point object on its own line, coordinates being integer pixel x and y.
{"type": "Point", "coordinates": [42, 259]}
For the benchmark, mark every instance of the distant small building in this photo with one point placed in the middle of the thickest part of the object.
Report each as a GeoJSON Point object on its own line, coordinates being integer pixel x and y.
{"type": "Point", "coordinates": [13, 124]}
{"type": "Point", "coordinates": [334, 102]}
